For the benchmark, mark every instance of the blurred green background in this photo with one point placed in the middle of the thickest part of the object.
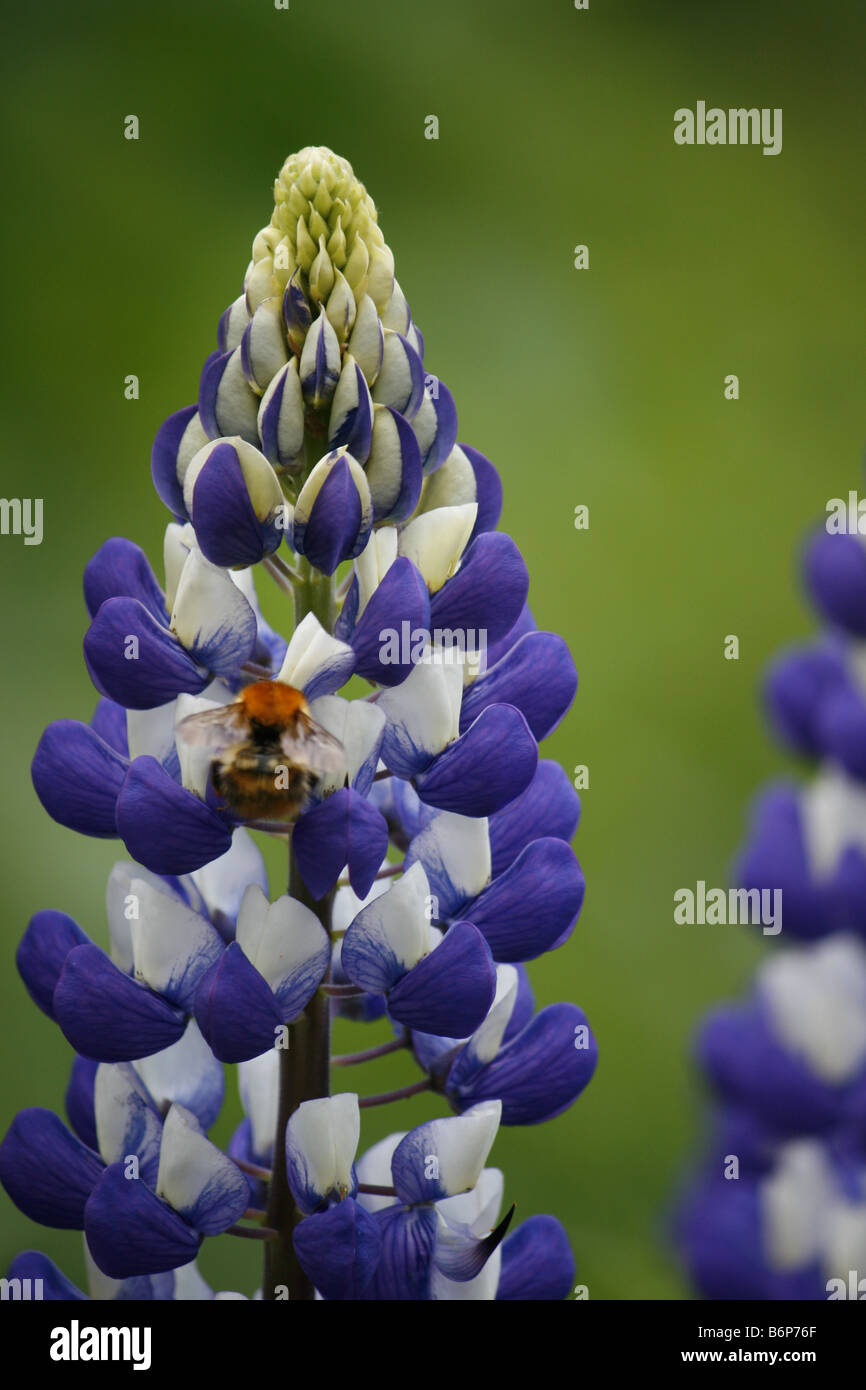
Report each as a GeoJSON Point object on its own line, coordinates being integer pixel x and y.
{"type": "Point", "coordinates": [602, 387]}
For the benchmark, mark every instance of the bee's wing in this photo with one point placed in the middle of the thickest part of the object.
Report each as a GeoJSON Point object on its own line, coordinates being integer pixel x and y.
{"type": "Point", "coordinates": [216, 729]}
{"type": "Point", "coordinates": [309, 745]}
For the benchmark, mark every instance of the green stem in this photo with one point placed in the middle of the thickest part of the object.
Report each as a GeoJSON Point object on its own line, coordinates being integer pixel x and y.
{"type": "Point", "coordinates": [305, 1065]}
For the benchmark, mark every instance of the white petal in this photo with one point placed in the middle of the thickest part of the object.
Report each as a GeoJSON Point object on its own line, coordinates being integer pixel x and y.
{"type": "Point", "coordinates": [277, 937]}
{"type": "Point", "coordinates": [817, 1000]}
{"type": "Point", "coordinates": [423, 712]}
{"type": "Point", "coordinates": [259, 1086]}
{"type": "Point", "coordinates": [396, 925]}
{"type": "Point", "coordinates": [487, 1038]}
{"type": "Point", "coordinates": [321, 1142]}
{"type": "Point", "coordinates": [795, 1200]}
{"type": "Point", "coordinates": [151, 731]}
{"type": "Point", "coordinates": [208, 604]}
{"type": "Point", "coordinates": [435, 541]}
{"type": "Point", "coordinates": [310, 649]}
{"type": "Point", "coordinates": [169, 940]}
{"type": "Point", "coordinates": [374, 562]}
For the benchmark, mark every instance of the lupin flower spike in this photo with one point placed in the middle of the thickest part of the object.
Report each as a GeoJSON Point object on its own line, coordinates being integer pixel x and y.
{"type": "Point", "coordinates": [777, 1209]}
{"type": "Point", "coordinates": [428, 846]}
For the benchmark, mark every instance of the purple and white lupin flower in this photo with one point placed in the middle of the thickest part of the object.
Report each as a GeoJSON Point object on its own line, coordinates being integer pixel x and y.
{"type": "Point", "coordinates": [778, 1210]}
{"type": "Point", "coordinates": [429, 858]}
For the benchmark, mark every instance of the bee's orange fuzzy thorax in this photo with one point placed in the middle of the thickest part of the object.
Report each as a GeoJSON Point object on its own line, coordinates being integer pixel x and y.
{"type": "Point", "coordinates": [272, 703]}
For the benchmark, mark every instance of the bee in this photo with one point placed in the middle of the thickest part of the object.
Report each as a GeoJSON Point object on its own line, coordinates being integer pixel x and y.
{"type": "Point", "coordinates": [268, 751]}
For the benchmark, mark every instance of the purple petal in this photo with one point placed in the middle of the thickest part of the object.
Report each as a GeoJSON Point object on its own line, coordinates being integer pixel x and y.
{"type": "Point", "coordinates": [109, 722]}
{"type": "Point", "coordinates": [450, 991]}
{"type": "Point", "coordinates": [132, 1231]}
{"type": "Point", "coordinates": [78, 778]}
{"type": "Point", "coordinates": [42, 952]}
{"type": "Point", "coordinates": [548, 807]}
{"type": "Point", "coordinates": [107, 1015]}
{"type": "Point", "coordinates": [400, 599]}
{"type": "Point", "coordinates": [79, 1100]}
{"type": "Point", "coordinates": [120, 569]}
{"type": "Point", "coordinates": [135, 660]}
{"type": "Point", "coordinates": [32, 1266]}
{"type": "Point", "coordinates": [48, 1173]}
{"type": "Point", "coordinates": [333, 531]}
{"type": "Point", "coordinates": [344, 829]}
{"type": "Point", "coordinates": [835, 567]}
{"type": "Point", "coordinates": [405, 1263]}
{"type": "Point", "coordinates": [488, 491]}
{"type": "Point", "coordinates": [484, 769]}
{"type": "Point", "coordinates": [226, 404]}
{"type": "Point", "coordinates": [532, 904]}
{"type": "Point", "coordinates": [339, 1250]}
{"type": "Point", "coordinates": [537, 676]}
{"type": "Point", "coordinates": [235, 1008]}
{"type": "Point", "coordinates": [164, 457]}
{"type": "Point", "coordinates": [488, 591]}
{"type": "Point", "coordinates": [796, 686]}
{"type": "Point", "coordinates": [165, 827]}
{"type": "Point", "coordinates": [537, 1262]}
{"type": "Point", "coordinates": [226, 526]}
{"type": "Point", "coordinates": [538, 1074]}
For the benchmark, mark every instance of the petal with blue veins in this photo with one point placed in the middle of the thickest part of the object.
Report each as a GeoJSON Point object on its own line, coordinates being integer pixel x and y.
{"type": "Point", "coordinates": [530, 907]}
{"type": "Point", "coordinates": [406, 1260]}
{"type": "Point", "coordinates": [172, 946]}
{"type": "Point", "coordinates": [359, 726]}
{"type": "Point", "coordinates": [320, 362]}
{"type": "Point", "coordinates": [316, 662]}
{"type": "Point", "coordinates": [488, 766]}
{"type": "Point", "coordinates": [321, 1143]}
{"type": "Point", "coordinates": [127, 1121]}
{"type": "Point", "coordinates": [132, 1231]}
{"type": "Point", "coordinates": [186, 1072]}
{"type": "Point", "coordinates": [120, 569]}
{"type": "Point", "coordinates": [423, 714]}
{"type": "Point", "coordinates": [105, 1015]}
{"type": "Point", "coordinates": [212, 618]}
{"type": "Point", "coordinates": [343, 830]}
{"type": "Point", "coordinates": [165, 827]}
{"type": "Point", "coordinates": [339, 1250]}
{"type": "Point", "coordinates": [389, 936]}
{"type": "Point", "coordinates": [42, 952]}
{"type": "Point", "coordinates": [443, 1157]}
{"type": "Point", "coordinates": [236, 1009]}
{"type": "Point", "coordinates": [450, 990]}
{"type": "Point", "coordinates": [287, 944]}
{"type": "Point", "coordinates": [200, 1182]}
{"type": "Point", "coordinates": [78, 778]}
{"type": "Point", "coordinates": [281, 419]}
{"type": "Point", "coordinates": [455, 853]}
